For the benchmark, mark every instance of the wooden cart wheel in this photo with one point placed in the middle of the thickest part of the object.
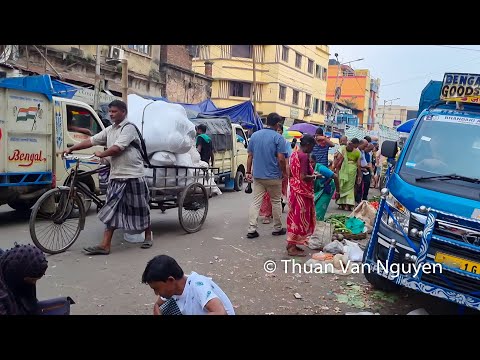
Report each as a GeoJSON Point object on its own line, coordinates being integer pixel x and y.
{"type": "Point", "coordinates": [193, 207]}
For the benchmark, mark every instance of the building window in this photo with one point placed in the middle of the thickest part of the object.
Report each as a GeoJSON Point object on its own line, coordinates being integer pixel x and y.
{"type": "Point", "coordinates": [285, 53]}
{"type": "Point", "coordinates": [282, 94]}
{"type": "Point", "coordinates": [144, 49]}
{"type": "Point", "coordinates": [322, 107]}
{"type": "Point", "coordinates": [308, 101]}
{"type": "Point", "coordinates": [310, 66]}
{"type": "Point", "coordinates": [316, 105]}
{"type": "Point", "coordinates": [324, 74]}
{"type": "Point", "coordinates": [298, 61]}
{"type": "Point", "coordinates": [295, 97]}
{"type": "Point", "coordinates": [240, 89]}
{"type": "Point", "coordinates": [242, 51]}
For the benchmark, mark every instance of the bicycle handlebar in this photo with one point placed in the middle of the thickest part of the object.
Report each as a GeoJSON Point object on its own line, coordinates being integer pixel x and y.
{"type": "Point", "coordinates": [77, 157]}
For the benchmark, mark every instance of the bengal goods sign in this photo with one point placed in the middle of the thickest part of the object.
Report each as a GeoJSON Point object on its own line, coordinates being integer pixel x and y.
{"type": "Point", "coordinates": [461, 87]}
{"type": "Point", "coordinates": [26, 159]}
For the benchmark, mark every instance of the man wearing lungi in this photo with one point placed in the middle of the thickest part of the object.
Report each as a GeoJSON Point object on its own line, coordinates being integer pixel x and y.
{"type": "Point", "coordinates": [127, 202]}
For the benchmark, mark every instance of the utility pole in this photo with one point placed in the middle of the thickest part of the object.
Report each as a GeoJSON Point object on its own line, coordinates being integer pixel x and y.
{"type": "Point", "coordinates": [254, 92]}
{"type": "Point", "coordinates": [334, 105]}
{"type": "Point", "coordinates": [384, 105]}
{"type": "Point", "coordinates": [96, 99]}
{"type": "Point", "coordinates": [124, 80]}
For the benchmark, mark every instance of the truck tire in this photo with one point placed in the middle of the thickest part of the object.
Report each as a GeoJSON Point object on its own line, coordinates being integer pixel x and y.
{"type": "Point", "coordinates": [238, 186]}
{"type": "Point", "coordinates": [22, 206]}
{"type": "Point", "coordinates": [377, 281]}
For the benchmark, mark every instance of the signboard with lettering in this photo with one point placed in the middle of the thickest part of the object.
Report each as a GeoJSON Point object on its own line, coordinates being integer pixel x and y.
{"type": "Point", "coordinates": [461, 87]}
{"type": "Point", "coordinates": [27, 139]}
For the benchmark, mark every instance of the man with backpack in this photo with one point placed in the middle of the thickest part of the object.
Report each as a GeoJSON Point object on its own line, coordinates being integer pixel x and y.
{"type": "Point", "coordinates": [127, 202]}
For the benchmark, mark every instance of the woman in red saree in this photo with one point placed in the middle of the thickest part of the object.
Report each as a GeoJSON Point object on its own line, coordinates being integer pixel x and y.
{"type": "Point", "coordinates": [301, 209]}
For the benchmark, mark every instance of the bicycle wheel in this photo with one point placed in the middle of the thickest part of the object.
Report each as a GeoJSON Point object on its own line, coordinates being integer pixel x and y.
{"type": "Point", "coordinates": [56, 220]}
{"type": "Point", "coordinates": [193, 207]}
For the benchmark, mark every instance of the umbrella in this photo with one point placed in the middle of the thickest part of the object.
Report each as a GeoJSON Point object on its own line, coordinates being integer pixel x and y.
{"type": "Point", "coordinates": [407, 126]}
{"type": "Point", "coordinates": [305, 128]}
{"type": "Point", "coordinates": [292, 134]}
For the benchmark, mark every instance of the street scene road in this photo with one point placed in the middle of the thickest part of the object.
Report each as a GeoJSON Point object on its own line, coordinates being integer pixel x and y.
{"type": "Point", "coordinates": [112, 284]}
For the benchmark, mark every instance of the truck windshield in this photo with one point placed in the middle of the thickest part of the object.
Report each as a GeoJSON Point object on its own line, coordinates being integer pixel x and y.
{"type": "Point", "coordinates": [444, 145]}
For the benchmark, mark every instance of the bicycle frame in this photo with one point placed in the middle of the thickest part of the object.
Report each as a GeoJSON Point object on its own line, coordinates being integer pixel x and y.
{"type": "Point", "coordinates": [74, 183]}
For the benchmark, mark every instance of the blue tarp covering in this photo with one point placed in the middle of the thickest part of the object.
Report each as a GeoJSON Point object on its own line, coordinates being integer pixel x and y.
{"type": "Point", "coordinates": [202, 107]}
{"type": "Point", "coordinates": [407, 126]}
{"type": "Point", "coordinates": [43, 84]}
{"type": "Point", "coordinates": [242, 114]}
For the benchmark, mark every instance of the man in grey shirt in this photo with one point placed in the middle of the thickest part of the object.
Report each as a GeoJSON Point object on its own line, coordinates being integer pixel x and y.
{"type": "Point", "coordinates": [127, 203]}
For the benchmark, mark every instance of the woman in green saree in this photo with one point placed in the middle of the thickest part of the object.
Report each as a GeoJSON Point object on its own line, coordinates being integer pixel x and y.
{"type": "Point", "coordinates": [348, 168]}
{"type": "Point", "coordinates": [323, 188]}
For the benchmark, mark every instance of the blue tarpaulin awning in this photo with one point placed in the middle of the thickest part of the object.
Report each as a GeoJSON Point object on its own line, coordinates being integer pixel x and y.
{"type": "Point", "coordinates": [407, 126]}
{"type": "Point", "coordinates": [43, 84]}
{"type": "Point", "coordinates": [242, 114]}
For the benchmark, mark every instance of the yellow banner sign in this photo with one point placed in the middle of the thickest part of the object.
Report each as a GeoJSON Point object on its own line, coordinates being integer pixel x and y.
{"type": "Point", "coordinates": [461, 87]}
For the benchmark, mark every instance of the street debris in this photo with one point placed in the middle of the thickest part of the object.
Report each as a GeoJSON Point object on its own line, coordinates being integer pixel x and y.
{"type": "Point", "coordinates": [297, 296]}
{"type": "Point", "coordinates": [270, 313]}
{"type": "Point", "coordinates": [218, 238]}
{"type": "Point", "coordinates": [420, 311]}
{"type": "Point", "coordinates": [361, 313]}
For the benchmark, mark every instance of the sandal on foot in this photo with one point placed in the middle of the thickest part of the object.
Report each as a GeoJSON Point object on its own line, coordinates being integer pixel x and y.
{"type": "Point", "coordinates": [147, 244]}
{"type": "Point", "coordinates": [96, 250]}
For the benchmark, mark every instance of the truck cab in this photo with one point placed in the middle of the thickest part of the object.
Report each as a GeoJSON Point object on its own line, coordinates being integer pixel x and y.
{"type": "Point", "coordinates": [428, 222]}
{"type": "Point", "coordinates": [36, 125]}
{"type": "Point", "coordinates": [230, 144]}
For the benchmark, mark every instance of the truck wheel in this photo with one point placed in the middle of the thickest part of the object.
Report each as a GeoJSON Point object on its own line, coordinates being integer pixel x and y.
{"type": "Point", "coordinates": [22, 206]}
{"type": "Point", "coordinates": [238, 181]}
{"type": "Point", "coordinates": [377, 281]}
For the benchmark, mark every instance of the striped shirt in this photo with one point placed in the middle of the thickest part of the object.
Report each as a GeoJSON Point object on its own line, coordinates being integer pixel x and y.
{"type": "Point", "coordinates": [321, 154]}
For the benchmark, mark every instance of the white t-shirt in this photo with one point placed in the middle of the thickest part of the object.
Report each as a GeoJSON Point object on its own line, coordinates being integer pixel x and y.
{"type": "Point", "coordinates": [198, 291]}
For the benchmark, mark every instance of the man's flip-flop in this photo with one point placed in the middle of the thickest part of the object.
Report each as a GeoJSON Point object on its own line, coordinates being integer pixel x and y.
{"type": "Point", "coordinates": [96, 250]}
{"type": "Point", "coordinates": [147, 244]}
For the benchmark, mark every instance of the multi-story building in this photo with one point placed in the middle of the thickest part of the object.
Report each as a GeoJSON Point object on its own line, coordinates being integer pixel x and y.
{"type": "Point", "coordinates": [153, 70]}
{"type": "Point", "coordinates": [290, 79]}
{"type": "Point", "coordinates": [394, 115]}
{"type": "Point", "coordinates": [357, 90]}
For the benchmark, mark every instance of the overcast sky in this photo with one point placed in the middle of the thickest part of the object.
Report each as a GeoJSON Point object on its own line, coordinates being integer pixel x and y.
{"type": "Point", "coordinates": [404, 70]}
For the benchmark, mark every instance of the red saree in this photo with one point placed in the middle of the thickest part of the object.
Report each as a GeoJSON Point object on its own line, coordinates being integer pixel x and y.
{"type": "Point", "coordinates": [301, 215]}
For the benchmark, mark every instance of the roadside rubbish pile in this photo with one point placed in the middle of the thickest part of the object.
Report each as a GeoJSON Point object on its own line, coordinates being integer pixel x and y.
{"type": "Point", "coordinates": [335, 238]}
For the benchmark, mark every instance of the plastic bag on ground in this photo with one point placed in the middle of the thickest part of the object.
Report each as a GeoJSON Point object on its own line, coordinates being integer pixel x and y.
{"type": "Point", "coordinates": [321, 236]}
{"type": "Point", "coordinates": [134, 237]}
{"type": "Point", "coordinates": [355, 253]}
{"type": "Point", "coordinates": [420, 311]}
{"type": "Point", "coordinates": [165, 125]}
{"type": "Point", "coordinates": [335, 247]}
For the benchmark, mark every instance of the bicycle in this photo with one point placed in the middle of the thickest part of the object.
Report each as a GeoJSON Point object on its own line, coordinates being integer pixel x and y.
{"type": "Point", "coordinates": [63, 209]}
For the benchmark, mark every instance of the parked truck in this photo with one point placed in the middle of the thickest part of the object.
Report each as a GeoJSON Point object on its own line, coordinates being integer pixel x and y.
{"type": "Point", "coordinates": [428, 223]}
{"type": "Point", "coordinates": [37, 122]}
{"type": "Point", "coordinates": [230, 150]}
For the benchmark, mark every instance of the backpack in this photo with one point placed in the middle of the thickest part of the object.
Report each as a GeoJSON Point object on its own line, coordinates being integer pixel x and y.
{"type": "Point", "coordinates": [142, 147]}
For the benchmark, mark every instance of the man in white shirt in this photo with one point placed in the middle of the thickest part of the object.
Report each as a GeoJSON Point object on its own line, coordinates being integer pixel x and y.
{"type": "Point", "coordinates": [194, 294]}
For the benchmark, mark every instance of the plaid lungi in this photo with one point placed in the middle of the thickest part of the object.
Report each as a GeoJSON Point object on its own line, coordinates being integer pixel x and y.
{"type": "Point", "coordinates": [126, 206]}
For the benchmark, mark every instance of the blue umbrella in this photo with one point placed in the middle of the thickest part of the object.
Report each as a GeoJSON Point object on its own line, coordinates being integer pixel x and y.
{"type": "Point", "coordinates": [407, 126]}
